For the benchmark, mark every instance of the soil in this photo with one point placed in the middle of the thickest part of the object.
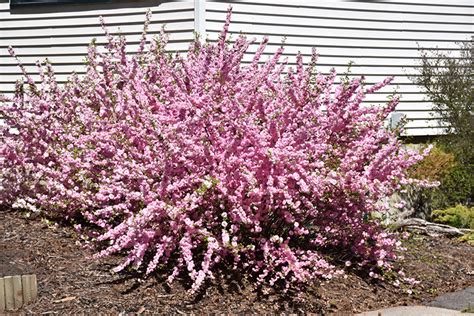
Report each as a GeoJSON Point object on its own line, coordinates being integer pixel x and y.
{"type": "Point", "coordinates": [69, 282]}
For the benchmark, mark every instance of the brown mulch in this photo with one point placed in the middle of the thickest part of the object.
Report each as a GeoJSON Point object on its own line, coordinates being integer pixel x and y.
{"type": "Point", "coordinates": [70, 283]}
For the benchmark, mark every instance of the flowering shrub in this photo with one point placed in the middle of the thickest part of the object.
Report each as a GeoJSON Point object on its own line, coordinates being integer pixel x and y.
{"type": "Point", "coordinates": [197, 160]}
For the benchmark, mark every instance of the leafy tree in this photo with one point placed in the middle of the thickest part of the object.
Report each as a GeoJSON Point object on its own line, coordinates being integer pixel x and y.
{"type": "Point", "coordinates": [448, 80]}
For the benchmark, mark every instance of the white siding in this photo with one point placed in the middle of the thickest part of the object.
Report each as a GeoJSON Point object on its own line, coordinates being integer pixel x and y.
{"type": "Point", "coordinates": [380, 37]}
{"type": "Point", "coordinates": [62, 33]}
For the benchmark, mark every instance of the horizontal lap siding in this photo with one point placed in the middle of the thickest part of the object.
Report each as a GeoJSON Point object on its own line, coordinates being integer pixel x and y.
{"type": "Point", "coordinates": [62, 33]}
{"type": "Point", "coordinates": [380, 38]}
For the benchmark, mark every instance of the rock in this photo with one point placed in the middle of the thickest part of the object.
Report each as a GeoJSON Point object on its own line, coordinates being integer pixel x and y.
{"type": "Point", "coordinates": [458, 300]}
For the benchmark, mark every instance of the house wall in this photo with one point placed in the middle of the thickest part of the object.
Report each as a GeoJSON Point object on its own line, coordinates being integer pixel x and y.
{"type": "Point", "coordinates": [380, 37]}
{"type": "Point", "coordinates": [62, 33]}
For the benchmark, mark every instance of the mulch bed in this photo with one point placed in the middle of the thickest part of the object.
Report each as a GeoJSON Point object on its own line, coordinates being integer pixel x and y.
{"type": "Point", "coordinates": [70, 283]}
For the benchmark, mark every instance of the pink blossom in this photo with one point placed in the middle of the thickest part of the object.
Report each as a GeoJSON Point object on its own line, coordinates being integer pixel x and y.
{"type": "Point", "coordinates": [161, 154]}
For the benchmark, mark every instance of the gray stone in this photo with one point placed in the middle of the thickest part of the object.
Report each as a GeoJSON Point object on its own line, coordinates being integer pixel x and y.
{"type": "Point", "coordinates": [413, 311]}
{"type": "Point", "coordinates": [458, 300]}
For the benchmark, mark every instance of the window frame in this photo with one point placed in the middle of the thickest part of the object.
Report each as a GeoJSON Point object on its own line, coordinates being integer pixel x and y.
{"type": "Point", "coordinates": [24, 3]}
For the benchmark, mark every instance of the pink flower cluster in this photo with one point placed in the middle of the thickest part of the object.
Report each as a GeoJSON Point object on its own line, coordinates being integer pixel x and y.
{"type": "Point", "coordinates": [197, 161]}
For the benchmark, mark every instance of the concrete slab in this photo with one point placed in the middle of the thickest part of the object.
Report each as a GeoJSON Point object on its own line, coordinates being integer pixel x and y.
{"type": "Point", "coordinates": [414, 311]}
{"type": "Point", "coordinates": [457, 300]}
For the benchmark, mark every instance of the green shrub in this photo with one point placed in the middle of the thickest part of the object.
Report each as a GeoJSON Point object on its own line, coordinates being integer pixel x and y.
{"type": "Point", "coordinates": [469, 238]}
{"type": "Point", "coordinates": [459, 216]}
{"type": "Point", "coordinates": [457, 186]}
{"type": "Point", "coordinates": [433, 167]}
{"type": "Point", "coordinates": [456, 180]}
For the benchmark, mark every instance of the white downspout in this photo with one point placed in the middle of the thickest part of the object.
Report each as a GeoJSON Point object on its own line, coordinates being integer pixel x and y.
{"type": "Point", "coordinates": [200, 19]}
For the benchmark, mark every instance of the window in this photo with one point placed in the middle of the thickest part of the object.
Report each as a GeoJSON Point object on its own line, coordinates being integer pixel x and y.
{"type": "Point", "coordinates": [17, 3]}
